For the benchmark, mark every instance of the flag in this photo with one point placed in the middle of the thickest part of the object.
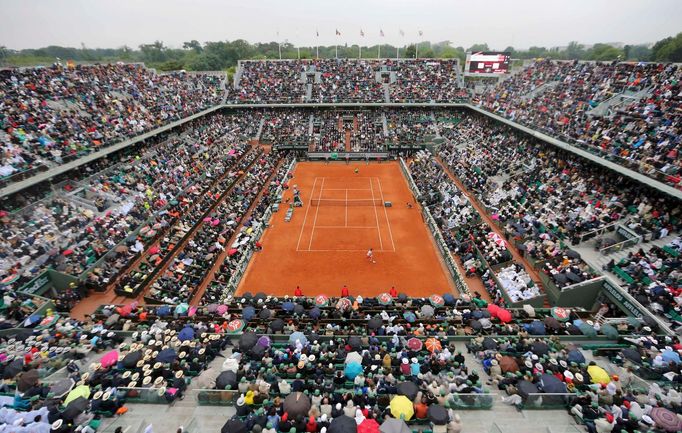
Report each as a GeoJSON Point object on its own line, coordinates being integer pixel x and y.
{"type": "Point", "coordinates": [402, 33]}
{"type": "Point", "coordinates": [381, 33]}
{"type": "Point", "coordinates": [338, 33]}
{"type": "Point", "coordinates": [318, 33]}
{"type": "Point", "coordinates": [362, 33]}
{"type": "Point", "coordinates": [421, 33]}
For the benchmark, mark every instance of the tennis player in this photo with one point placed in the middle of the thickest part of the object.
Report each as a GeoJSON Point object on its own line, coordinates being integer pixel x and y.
{"type": "Point", "coordinates": [370, 256]}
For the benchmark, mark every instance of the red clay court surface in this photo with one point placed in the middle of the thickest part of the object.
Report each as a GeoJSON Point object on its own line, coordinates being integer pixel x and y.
{"type": "Point", "coordinates": [324, 245]}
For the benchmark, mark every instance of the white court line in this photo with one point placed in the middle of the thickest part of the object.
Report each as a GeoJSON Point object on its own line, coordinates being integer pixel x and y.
{"type": "Point", "coordinates": [343, 227]}
{"type": "Point", "coordinates": [312, 233]}
{"type": "Point", "coordinates": [347, 189]}
{"type": "Point", "coordinates": [386, 213]}
{"type": "Point", "coordinates": [344, 251]}
{"type": "Point", "coordinates": [306, 215]}
{"type": "Point", "coordinates": [376, 215]}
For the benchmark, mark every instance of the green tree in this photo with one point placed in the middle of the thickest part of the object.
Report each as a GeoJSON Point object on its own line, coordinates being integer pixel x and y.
{"type": "Point", "coordinates": [668, 49]}
{"type": "Point", "coordinates": [153, 53]}
{"type": "Point", "coordinates": [478, 47]}
{"type": "Point", "coordinates": [192, 45]}
{"type": "Point", "coordinates": [604, 52]}
{"type": "Point", "coordinates": [574, 51]}
{"type": "Point", "coordinates": [410, 51]}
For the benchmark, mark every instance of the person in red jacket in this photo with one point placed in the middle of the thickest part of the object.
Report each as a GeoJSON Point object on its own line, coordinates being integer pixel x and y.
{"type": "Point", "coordinates": [298, 291]}
{"type": "Point", "coordinates": [344, 291]}
{"type": "Point", "coordinates": [311, 426]}
{"type": "Point", "coordinates": [393, 292]}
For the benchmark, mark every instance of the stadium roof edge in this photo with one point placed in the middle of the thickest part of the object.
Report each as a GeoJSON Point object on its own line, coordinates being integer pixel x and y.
{"type": "Point", "coordinates": [55, 171]}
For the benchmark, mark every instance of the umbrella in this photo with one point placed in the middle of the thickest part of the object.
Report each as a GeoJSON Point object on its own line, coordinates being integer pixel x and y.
{"type": "Point", "coordinates": [670, 356]}
{"type": "Point", "coordinates": [27, 380]}
{"type": "Point", "coordinates": [598, 374]}
{"type": "Point", "coordinates": [508, 365]}
{"type": "Point", "coordinates": [247, 341]}
{"type": "Point", "coordinates": [234, 426]}
{"type": "Point", "coordinates": [13, 368]}
{"type": "Point", "coordinates": [632, 355]}
{"type": "Point", "coordinates": [59, 389]}
{"type": "Point", "coordinates": [409, 316]}
{"type": "Point", "coordinates": [297, 404]}
{"type": "Point", "coordinates": [321, 300]}
{"type": "Point", "coordinates": [436, 300]}
{"type": "Point", "coordinates": [186, 333]}
{"type": "Point", "coordinates": [342, 424]}
{"type": "Point", "coordinates": [75, 408]}
{"type": "Point", "coordinates": [489, 344]}
{"type": "Point", "coordinates": [298, 336]}
{"type": "Point", "coordinates": [166, 356]}
{"type": "Point", "coordinates": [414, 344]}
{"type": "Point", "coordinates": [449, 299]}
{"type": "Point", "coordinates": [163, 310]}
{"type": "Point", "coordinates": [587, 330]}
{"type": "Point", "coordinates": [352, 370]}
{"type": "Point", "coordinates": [131, 359]}
{"type": "Point", "coordinates": [299, 309]}
{"type": "Point", "coordinates": [235, 326]}
{"type": "Point", "coordinates": [222, 309]}
{"type": "Point", "coordinates": [551, 384]}
{"type": "Point", "coordinates": [536, 327]}
{"type": "Point", "coordinates": [385, 299]}
{"type": "Point", "coordinates": [525, 388]}
{"type": "Point", "coordinates": [666, 419]}
{"type": "Point", "coordinates": [248, 313]}
{"type": "Point", "coordinates": [225, 379]}
{"type": "Point", "coordinates": [315, 313]}
{"type": "Point", "coordinates": [112, 319]}
{"type": "Point", "coordinates": [368, 426]}
{"type": "Point", "coordinates": [264, 341]}
{"type": "Point", "coordinates": [288, 306]}
{"type": "Point", "coordinates": [374, 323]}
{"type": "Point", "coordinates": [402, 408]}
{"type": "Point", "coordinates": [182, 308]}
{"type": "Point", "coordinates": [476, 325]}
{"type": "Point", "coordinates": [540, 348]}
{"type": "Point", "coordinates": [277, 325]}
{"type": "Point", "coordinates": [353, 357]}
{"type": "Point", "coordinates": [264, 314]}
{"type": "Point", "coordinates": [497, 239]}
{"type": "Point", "coordinates": [561, 314]}
{"type": "Point", "coordinates": [438, 414]}
{"type": "Point", "coordinates": [354, 342]}
{"type": "Point", "coordinates": [109, 359]}
{"type": "Point", "coordinates": [634, 322]}
{"type": "Point", "coordinates": [212, 308]}
{"type": "Point", "coordinates": [408, 389]}
{"type": "Point", "coordinates": [609, 331]}
{"type": "Point", "coordinates": [392, 425]}
{"type": "Point", "coordinates": [402, 298]}
{"type": "Point", "coordinates": [427, 311]}
{"type": "Point", "coordinates": [32, 320]}
{"type": "Point", "coordinates": [576, 356]}
{"type": "Point", "coordinates": [257, 351]}
{"type": "Point", "coordinates": [552, 323]}
{"type": "Point", "coordinates": [260, 296]}
{"type": "Point", "coordinates": [79, 391]}
{"type": "Point", "coordinates": [343, 304]}
{"type": "Point", "coordinates": [433, 345]}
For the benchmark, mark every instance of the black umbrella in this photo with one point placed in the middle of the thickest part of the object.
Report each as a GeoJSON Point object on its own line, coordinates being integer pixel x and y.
{"type": "Point", "coordinates": [540, 348]}
{"type": "Point", "coordinates": [297, 404]}
{"type": "Point", "coordinates": [257, 351]}
{"type": "Point", "coordinates": [402, 297]}
{"type": "Point", "coordinates": [27, 379]}
{"type": "Point", "coordinates": [20, 334]}
{"type": "Point", "coordinates": [311, 336]}
{"type": "Point", "coordinates": [438, 414]}
{"type": "Point", "coordinates": [247, 341]}
{"type": "Point", "coordinates": [374, 322]}
{"type": "Point", "coordinates": [13, 368]}
{"type": "Point", "coordinates": [572, 277]}
{"type": "Point", "coordinates": [552, 323]}
{"type": "Point", "coordinates": [264, 314]}
{"type": "Point", "coordinates": [166, 356]}
{"type": "Point", "coordinates": [259, 296]}
{"type": "Point", "coordinates": [277, 325]}
{"type": "Point", "coordinates": [573, 330]}
{"type": "Point", "coordinates": [225, 379]}
{"type": "Point", "coordinates": [552, 385]}
{"type": "Point", "coordinates": [234, 426]}
{"type": "Point", "coordinates": [408, 389]}
{"type": "Point", "coordinates": [75, 408]}
{"type": "Point", "coordinates": [476, 325]}
{"type": "Point", "coordinates": [573, 254]}
{"type": "Point", "coordinates": [247, 295]}
{"type": "Point", "coordinates": [525, 388]}
{"type": "Point", "coordinates": [343, 424]}
{"type": "Point", "coordinates": [489, 344]}
{"type": "Point", "coordinates": [314, 313]}
{"type": "Point", "coordinates": [131, 359]}
{"type": "Point", "coordinates": [632, 355]}
{"type": "Point", "coordinates": [59, 389]}
{"type": "Point", "coordinates": [299, 309]}
{"type": "Point", "coordinates": [354, 342]}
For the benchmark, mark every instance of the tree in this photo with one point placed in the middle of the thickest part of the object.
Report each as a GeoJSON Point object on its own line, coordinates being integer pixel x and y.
{"type": "Point", "coordinates": [153, 52]}
{"type": "Point", "coordinates": [478, 47]}
{"type": "Point", "coordinates": [193, 45]}
{"type": "Point", "coordinates": [638, 52]}
{"type": "Point", "coordinates": [510, 50]}
{"type": "Point", "coordinates": [574, 51]}
{"type": "Point", "coordinates": [604, 52]}
{"type": "Point", "coordinates": [410, 51]}
{"type": "Point", "coordinates": [668, 49]}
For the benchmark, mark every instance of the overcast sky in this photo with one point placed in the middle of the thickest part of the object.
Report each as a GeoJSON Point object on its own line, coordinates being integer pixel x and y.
{"type": "Point", "coordinates": [520, 23]}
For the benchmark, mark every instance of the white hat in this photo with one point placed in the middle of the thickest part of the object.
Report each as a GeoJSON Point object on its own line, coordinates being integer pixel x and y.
{"type": "Point", "coordinates": [405, 361]}
{"type": "Point", "coordinates": [57, 424]}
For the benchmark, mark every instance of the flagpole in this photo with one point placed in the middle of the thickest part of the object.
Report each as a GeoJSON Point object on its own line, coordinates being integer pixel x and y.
{"type": "Point", "coordinates": [379, 53]}
{"type": "Point", "coordinates": [359, 51]}
{"type": "Point", "coordinates": [416, 50]}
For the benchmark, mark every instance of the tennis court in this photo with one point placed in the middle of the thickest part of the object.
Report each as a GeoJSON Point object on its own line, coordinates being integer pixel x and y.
{"type": "Point", "coordinates": [324, 245]}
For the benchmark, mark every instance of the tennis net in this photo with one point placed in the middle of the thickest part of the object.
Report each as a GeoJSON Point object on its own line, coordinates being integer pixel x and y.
{"type": "Point", "coordinates": [344, 202]}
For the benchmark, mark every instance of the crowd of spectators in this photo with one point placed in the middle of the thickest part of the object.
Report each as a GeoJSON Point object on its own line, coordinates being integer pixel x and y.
{"type": "Point", "coordinates": [286, 128]}
{"type": "Point", "coordinates": [347, 80]}
{"type": "Point", "coordinates": [425, 80]}
{"type": "Point", "coordinates": [50, 115]}
{"type": "Point", "coordinates": [272, 82]}
{"type": "Point", "coordinates": [558, 98]}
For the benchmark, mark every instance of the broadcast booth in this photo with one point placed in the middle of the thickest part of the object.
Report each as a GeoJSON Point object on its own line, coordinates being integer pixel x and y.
{"type": "Point", "coordinates": [485, 68]}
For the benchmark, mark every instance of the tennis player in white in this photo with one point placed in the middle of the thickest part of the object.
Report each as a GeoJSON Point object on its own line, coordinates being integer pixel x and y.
{"type": "Point", "coordinates": [370, 256]}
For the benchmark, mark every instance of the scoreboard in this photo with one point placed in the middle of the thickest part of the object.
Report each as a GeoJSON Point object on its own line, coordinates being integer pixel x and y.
{"type": "Point", "coordinates": [487, 63]}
